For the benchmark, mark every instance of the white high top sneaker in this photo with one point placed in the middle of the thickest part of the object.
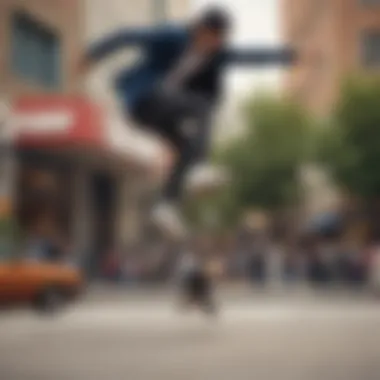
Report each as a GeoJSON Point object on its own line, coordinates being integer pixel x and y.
{"type": "Point", "coordinates": [167, 218]}
{"type": "Point", "coordinates": [206, 178]}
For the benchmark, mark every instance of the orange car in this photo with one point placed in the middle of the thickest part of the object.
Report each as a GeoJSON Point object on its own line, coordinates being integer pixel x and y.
{"type": "Point", "coordinates": [46, 286]}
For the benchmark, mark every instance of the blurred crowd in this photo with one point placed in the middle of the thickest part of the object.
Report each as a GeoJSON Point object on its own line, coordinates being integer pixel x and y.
{"type": "Point", "coordinates": [137, 265]}
{"type": "Point", "coordinates": [259, 261]}
{"type": "Point", "coordinates": [316, 261]}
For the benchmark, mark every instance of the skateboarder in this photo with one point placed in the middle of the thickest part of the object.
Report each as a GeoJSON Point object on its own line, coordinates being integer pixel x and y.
{"type": "Point", "coordinates": [174, 88]}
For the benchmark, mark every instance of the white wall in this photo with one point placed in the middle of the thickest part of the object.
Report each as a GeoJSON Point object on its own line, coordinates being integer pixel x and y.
{"type": "Point", "coordinates": [103, 17]}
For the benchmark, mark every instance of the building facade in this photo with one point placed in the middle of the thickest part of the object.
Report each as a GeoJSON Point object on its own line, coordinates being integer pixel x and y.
{"type": "Point", "coordinates": [344, 35]}
{"type": "Point", "coordinates": [40, 41]}
{"type": "Point", "coordinates": [79, 164]}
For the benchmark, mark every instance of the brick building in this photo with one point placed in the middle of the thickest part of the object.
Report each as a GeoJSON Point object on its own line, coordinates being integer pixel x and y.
{"type": "Point", "coordinates": [78, 166]}
{"type": "Point", "coordinates": [50, 31]}
{"type": "Point", "coordinates": [346, 36]}
{"type": "Point", "coordinates": [39, 44]}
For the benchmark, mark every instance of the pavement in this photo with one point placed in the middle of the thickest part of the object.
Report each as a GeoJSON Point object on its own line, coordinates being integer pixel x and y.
{"type": "Point", "coordinates": [117, 334]}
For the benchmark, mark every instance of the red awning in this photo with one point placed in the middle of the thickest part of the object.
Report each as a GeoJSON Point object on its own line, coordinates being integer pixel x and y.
{"type": "Point", "coordinates": [73, 125]}
{"type": "Point", "coordinates": [59, 122]}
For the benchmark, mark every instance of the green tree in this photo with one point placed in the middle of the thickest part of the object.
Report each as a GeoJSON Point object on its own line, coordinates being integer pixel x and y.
{"type": "Point", "coordinates": [350, 144]}
{"type": "Point", "coordinates": [263, 162]}
{"type": "Point", "coordinates": [215, 212]}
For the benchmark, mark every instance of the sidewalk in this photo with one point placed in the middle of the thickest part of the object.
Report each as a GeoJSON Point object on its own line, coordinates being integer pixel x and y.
{"type": "Point", "coordinates": [240, 291]}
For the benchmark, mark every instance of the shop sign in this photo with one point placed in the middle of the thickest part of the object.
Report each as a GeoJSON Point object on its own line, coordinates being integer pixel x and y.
{"type": "Point", "coordinates": [54, 121]}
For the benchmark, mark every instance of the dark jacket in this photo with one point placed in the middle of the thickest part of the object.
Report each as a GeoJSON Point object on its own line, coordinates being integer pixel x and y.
{"type": "Point", "coordinates": [161, 47]}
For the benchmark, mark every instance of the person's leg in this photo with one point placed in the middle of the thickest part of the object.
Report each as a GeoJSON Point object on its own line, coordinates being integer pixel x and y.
{"type": "Point", "coordinates": [190, 137]}
{"type": "Point", "coordinates": [182, 121]}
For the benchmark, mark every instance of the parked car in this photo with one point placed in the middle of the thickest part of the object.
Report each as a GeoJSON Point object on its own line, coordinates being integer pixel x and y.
{"type": "Point", "coordinates": [45, 286]}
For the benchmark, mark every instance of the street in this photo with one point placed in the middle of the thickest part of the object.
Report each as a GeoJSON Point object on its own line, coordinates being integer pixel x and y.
{"type": "Point", "coordinates": [144, 337]}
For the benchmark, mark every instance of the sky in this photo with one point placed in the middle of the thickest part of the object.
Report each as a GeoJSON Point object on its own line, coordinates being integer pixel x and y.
{"type": "Point", "coordinates": [256, 23]}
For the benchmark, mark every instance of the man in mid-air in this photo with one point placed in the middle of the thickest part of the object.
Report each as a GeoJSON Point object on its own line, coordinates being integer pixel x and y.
{"type": "Point", "coordinates": [174, 88]}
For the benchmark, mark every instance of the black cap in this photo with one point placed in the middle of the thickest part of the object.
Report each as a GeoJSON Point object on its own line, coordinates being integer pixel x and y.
{"type": "Point", "coordinates": [215, 19]}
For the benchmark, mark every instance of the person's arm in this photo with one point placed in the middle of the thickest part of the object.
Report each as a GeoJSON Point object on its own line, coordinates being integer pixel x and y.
{"type": "Point", "coordinates": [261, 56]}
{"type": "Point", "coordinates": [112, 43]}
{"type": "Point", "coordinates": [118, 40]}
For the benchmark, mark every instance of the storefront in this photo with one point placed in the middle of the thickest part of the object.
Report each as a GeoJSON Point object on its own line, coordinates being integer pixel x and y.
{"type": "Point", "coordinates": [72, 183]}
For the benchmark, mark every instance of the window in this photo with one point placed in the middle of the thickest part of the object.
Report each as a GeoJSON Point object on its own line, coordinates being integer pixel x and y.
{"type": "Point", "coordinates": [35, 51]}
{"type": "Point", "coordinates": [370, 48]}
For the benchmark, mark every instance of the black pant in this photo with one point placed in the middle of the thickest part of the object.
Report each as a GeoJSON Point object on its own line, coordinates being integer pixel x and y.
{"type": "Point", "coordinates": [183, 120]}
{"type": "Point", "coordinates": [197, 289]}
